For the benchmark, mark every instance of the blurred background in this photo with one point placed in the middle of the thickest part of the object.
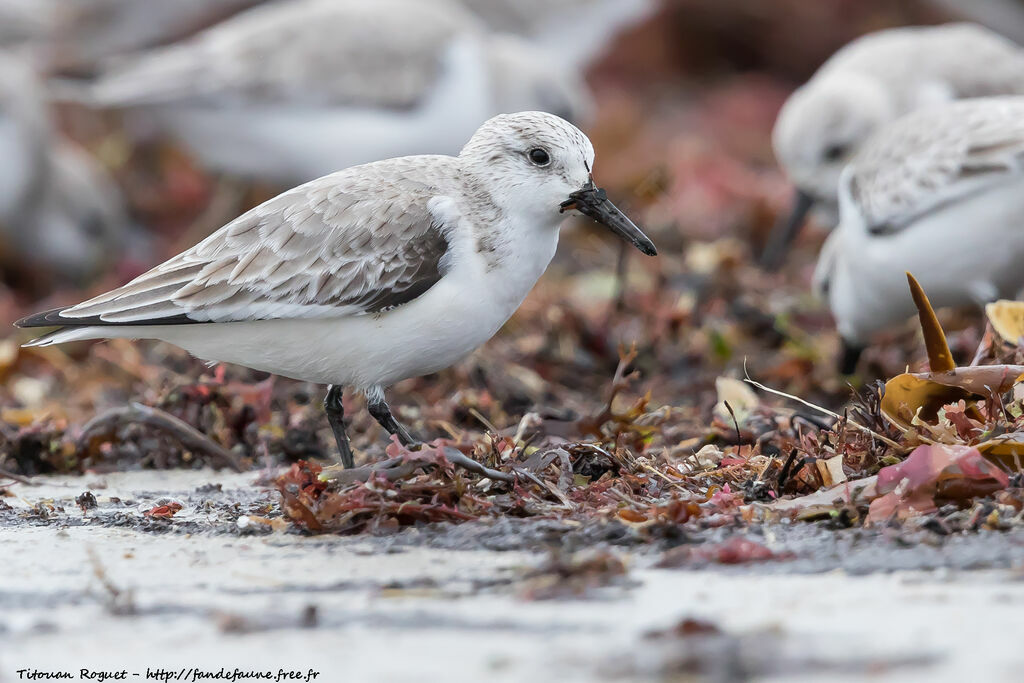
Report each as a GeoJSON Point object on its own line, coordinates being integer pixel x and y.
{"type": "Point", "coordinates": [131, 129]}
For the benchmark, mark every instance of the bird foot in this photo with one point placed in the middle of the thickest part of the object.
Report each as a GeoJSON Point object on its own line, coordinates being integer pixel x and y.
{"type": "Point", "coordinates": [403, 467]}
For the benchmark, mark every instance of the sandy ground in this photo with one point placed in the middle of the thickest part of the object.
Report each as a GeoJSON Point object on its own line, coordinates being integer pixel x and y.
{"type": "Point", "coordinates": [110, 590]}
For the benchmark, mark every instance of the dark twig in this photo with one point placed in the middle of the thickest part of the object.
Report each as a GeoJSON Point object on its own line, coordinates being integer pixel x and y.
{"type": "Point", "coordinates": [735, 423]}
{"type": "Point", "coordinates": [104, 426]}
{"type": "Point", "coordinates": [784, 474]}
{"type": "Point", "coordinates": [620, 382]}
{"type": "Point", "coordinates": [17, 477]}
{"type": "Point", "coordinates": [119, 602]}
{"type": "Point", "coordinates": [456, 458]}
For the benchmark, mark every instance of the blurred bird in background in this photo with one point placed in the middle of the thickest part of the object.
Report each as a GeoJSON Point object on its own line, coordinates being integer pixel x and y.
{"type": "Point", "coordinates": [938, 193]}
{"type": "Point", "coordinates": [23, 21]}
{"type": "Point", "coordinates": [575, 31]}
{"type": "Point", "coordinates": [868, 83]}
{"type": "Point", "coordinates": [76, 35]}
{"type": "Point", "coordinates": [61, 219]}
{"type": "Point", "coordinates": [287, 92]}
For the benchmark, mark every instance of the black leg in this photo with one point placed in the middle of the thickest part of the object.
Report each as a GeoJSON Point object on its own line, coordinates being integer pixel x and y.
{"type": "Point", "coordinates": [849, 358]}
{"type": "Point", "coordinates": [336, 417]}
{"type": "Point", "coordinates": [785, 231]}
{"type": "Point", "coordinates": [382, 414]}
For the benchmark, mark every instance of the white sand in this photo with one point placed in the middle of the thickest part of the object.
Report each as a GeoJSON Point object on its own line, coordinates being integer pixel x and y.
{"type": "Point", "coordinates": [423, 614]}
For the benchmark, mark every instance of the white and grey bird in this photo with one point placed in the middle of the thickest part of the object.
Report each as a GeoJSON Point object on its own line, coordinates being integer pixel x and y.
{"type": "Point", "coordinates": [287, 92]}
{"type": "Point", "coordinates": [23, 21]}
{"type": "Point", "coordinates": [78, 34]}
{"type": "Point", "coordinates": [869, 83]}
{"type": "Point", "coordinates": [58, 208]}
{"type": "Point", "coordinates": [370, 275]}
{"type": "Point", "coordinates": [573, 31]}
{"type": "Point", "coordinates": [938, 193]}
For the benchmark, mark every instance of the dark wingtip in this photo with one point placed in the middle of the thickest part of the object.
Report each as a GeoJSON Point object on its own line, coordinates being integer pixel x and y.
{"type": "Point", "coordinates": [48, 318]}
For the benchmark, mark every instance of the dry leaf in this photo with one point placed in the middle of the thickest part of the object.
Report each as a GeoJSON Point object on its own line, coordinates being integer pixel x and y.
{"type": "Point", "coordinates": [939, 357]}
{"type": "Point", "coordinates": [831, 470]}
{"type": "Point", "coordinates": [909, 395]}
{"type": "Point", "coordinates": [1007, 318]}
{"type": "Point", "coordinates": [1006, 450]}
{"type": "Point", "coordinates": [934, 475]}
{"type": "Point", "coordinates": [740, 397]}
{"type": "Point", "coordinates": [924, 393]}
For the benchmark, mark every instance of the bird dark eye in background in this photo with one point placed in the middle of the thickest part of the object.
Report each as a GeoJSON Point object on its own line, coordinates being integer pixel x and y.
{"type": "Point", "coordinates": [94, 227]}
{"type": "Point", "coordinates": [835, 152]}
{"type": "Point", "coordinates": [539, 156]}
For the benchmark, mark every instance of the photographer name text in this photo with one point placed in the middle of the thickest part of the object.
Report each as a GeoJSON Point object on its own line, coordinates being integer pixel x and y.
{"type": "Point", "coordinates": [185, 675]}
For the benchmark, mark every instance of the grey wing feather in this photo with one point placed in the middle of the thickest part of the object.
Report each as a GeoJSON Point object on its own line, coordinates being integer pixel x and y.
{"type": "Point", "coordinates": [356, 242]}
{"type": "Point", "coordinates": [932, 157]}
{"type": "Point", "coordinates": [319, 52]}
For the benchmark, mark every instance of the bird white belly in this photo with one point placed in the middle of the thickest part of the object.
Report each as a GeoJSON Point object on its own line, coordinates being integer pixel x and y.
{"type": "Point", "coordinates": [457, 315]}
{"type": "Point", "coordinates": [958, 253]}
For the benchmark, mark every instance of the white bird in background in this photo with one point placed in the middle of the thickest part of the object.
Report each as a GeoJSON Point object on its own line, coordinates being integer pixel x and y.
{"type": "Point", "coordinates": [290, 91]}
{"type": "Point", "coordinates": [58, 208]}
{"type": "Point", "coordinates": [1005, 16]}
{"type": "Point", "coordinates": [868, 83]}
{"type": "Point", "coordinates": [370, 275]}
{"type": "Point", "coordinates": [23, 21]}
{"type": "Point", "coordinates": [938, 193]}
{"type": "Point", "coordinates": [575, 31]}
{"type": "Point", "coordinates": [78, 34]}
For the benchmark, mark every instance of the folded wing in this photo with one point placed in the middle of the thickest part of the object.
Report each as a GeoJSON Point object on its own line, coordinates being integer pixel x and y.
{"type": "Point", "coordinates": [346, 244]}
{"type": "Point", "coordinates": [933, 157]}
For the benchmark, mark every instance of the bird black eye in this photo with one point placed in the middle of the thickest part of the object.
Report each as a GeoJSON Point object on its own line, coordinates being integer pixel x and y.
{"type": "Point", "coordinates": [835, 152]}
{"type": "Point", "coordinates": [539, 156]}
{"type": "Point", "coordinates": [94, 227]}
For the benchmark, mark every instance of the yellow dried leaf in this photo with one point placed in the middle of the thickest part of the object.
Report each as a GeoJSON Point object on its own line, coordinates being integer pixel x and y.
{"type": "Point", "coordinates": [740, 397]}
{"type": "Point", "coordinates": [1007, 318]}
{"type": "Point", "coordinates": [908, 395]}
{"type": "Point", "coordinates": [21, 417]}
{"type": "Point", "coordinates": [831, 470]}
{"type": "Point", "coordinates": [1007, 451]}
{"type": "Point", "coordinates": [924, 393]}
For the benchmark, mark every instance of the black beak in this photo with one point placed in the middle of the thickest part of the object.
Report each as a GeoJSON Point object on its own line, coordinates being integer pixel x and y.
{"type": "Point", "coordinates": [849, 357]}
{"type": "Point", "coordinates": [592, 201]}
{"type": "Point", "coordinates": [786, 230]}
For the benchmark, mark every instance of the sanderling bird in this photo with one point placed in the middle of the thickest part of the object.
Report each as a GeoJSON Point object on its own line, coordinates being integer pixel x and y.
{"type": "Point", "coordinates": [938, 193]}
{"type": "Point", "coordinates": [89, 31]}
{"type": "Point", "coordinates": [78, 34]}
{"type": "Point", "coordinates": [370, 275]}
{"type": "Point", "coordinates": [22, 21]}
{"type": "Point", "coordinates": [574, 31]}
{"type": "Point", "coordinates": [58, 208]}
{"type": "Point", "coordinates": [291, 91]}
{"type": "Point", "coordinates": [869, 83]}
